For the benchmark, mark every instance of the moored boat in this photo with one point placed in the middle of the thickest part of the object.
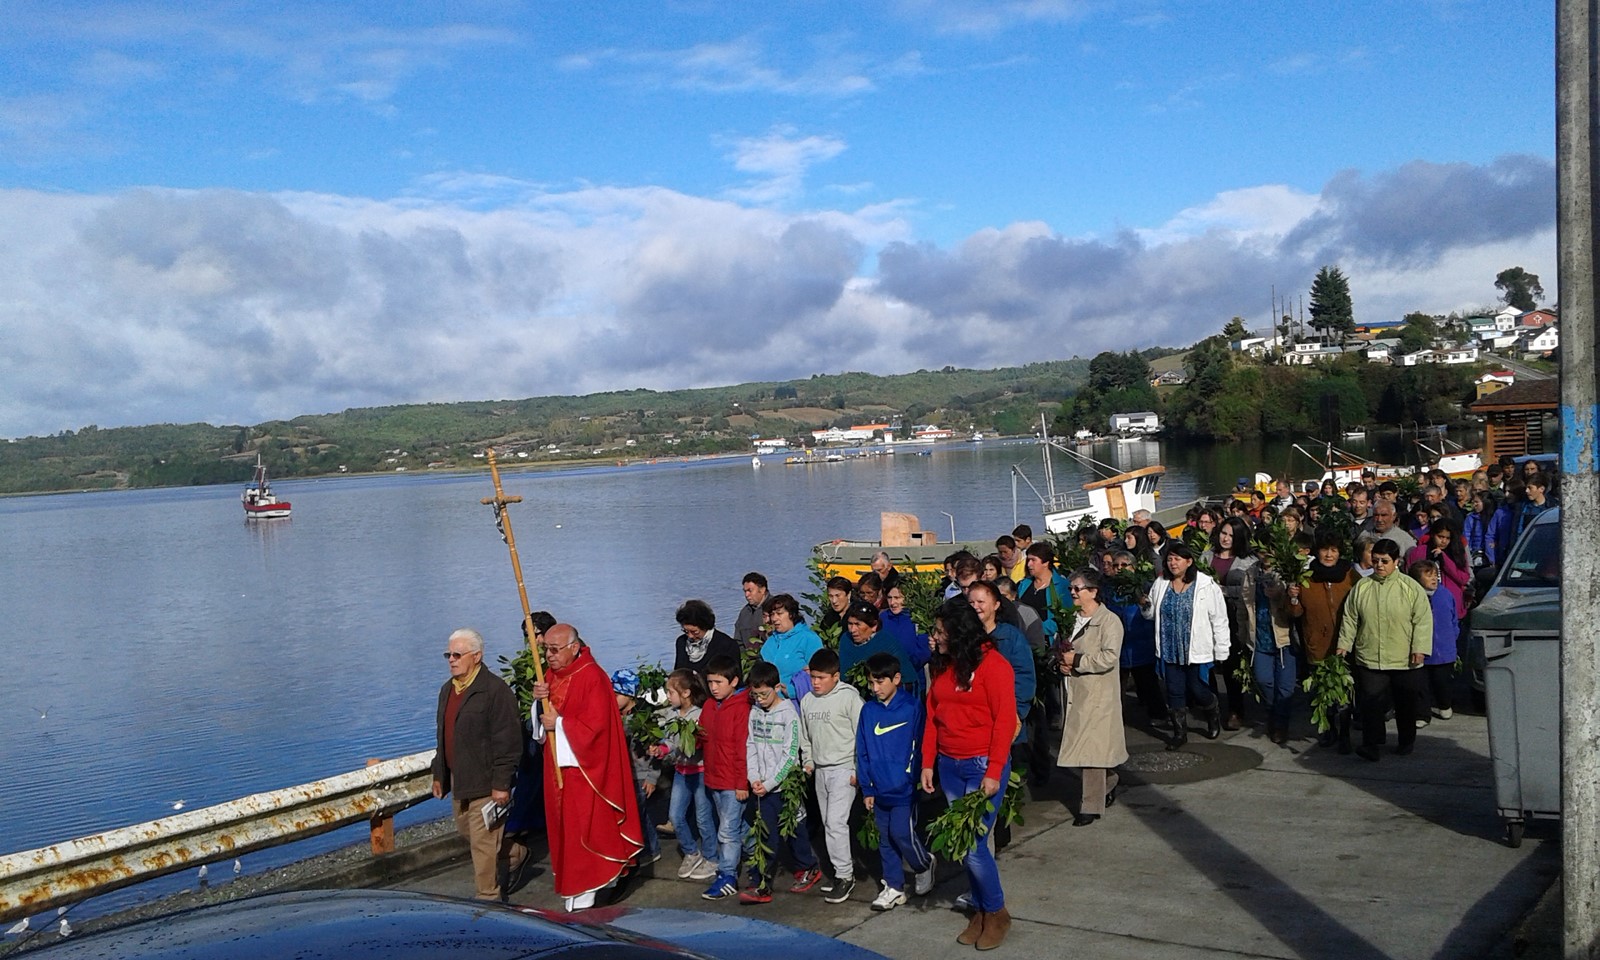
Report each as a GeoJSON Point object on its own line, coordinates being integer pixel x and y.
{"type": "Point", "coordinates": [259, 501]}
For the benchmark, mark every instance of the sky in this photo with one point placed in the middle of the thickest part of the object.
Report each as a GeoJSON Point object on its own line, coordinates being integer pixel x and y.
{"type": "Point", "coordinates": [234, 212]}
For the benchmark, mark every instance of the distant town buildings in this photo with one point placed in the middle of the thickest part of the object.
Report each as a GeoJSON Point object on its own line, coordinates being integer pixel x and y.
{"type": "Point", "coordinates": [1141, 422]}
{"type": "Point", "coordinates": [1530, 333]}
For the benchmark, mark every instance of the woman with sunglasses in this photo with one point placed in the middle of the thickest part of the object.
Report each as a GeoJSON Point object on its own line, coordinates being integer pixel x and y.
{"type": "Point", "coordinates": [1092, 739]}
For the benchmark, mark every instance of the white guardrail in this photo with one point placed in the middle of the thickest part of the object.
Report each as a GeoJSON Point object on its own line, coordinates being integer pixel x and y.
{"type": "Point", "coordinates": [33, 881]}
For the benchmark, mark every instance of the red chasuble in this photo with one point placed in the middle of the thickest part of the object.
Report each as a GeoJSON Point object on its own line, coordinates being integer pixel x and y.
{"type": "Point", "coordinates": [593, 818]}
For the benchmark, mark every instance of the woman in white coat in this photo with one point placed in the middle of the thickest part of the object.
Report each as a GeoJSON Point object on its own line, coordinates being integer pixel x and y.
{"type": "Point", "coordinates": [1092, 739]}
{"type": "Point", "coordinates": [1191, 627]}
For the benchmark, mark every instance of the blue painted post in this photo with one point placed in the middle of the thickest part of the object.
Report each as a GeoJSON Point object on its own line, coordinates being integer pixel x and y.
{"type": "Point", "coordinates": [1580, 462]}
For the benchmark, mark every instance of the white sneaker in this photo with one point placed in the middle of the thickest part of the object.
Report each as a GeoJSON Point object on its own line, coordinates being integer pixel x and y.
{"type": "Point", "coordinates": [964, 902]}
{"type": "Point", "coordinates": [690, 864]}
{"type": "Point", "coordinates": [922, 883]}
{"type": "Point", "coordinates": [888, 899]}
{"type": "Point", "coordinates": [582, 901]}
{"type": "Point", "coordinates": [1444, 714]}
{"type": "Point", "coordinates": [705, 871]}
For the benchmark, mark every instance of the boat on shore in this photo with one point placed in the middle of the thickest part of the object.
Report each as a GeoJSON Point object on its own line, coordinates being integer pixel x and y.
{"type": "Point", "coordinates": [260, 503]}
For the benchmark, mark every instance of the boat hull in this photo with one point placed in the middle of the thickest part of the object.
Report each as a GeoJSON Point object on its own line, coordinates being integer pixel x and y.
{"type": "Point", "coordinates": [266, 511]}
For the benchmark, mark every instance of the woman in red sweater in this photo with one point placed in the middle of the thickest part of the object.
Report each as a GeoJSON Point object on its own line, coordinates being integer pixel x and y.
{"type": "Point", "coordinates": [972, 719]}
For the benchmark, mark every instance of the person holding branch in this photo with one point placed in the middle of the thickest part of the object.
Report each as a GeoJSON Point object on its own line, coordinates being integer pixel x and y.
{"type": "Point", "coordinates": [591, 812]}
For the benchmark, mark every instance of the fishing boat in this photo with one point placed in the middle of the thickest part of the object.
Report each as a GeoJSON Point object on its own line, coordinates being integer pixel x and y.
{"type": "Point", "coordinates": [1117, 495]}
{"type": "Point", "coordinates": [259, 501]}
{"type": "Point", "coordinates": [900, 536]}
{"type": "Point", "coordinates": [1356, 433]}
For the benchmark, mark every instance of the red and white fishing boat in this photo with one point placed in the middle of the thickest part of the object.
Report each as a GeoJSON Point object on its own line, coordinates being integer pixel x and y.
{"type": "Point", "coordinates": [259, 501]}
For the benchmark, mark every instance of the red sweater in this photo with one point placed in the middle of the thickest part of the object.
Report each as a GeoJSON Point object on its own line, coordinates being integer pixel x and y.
{"type": "Point", "coordinates": [724, 727]}
{"type": "Point", "coordinates": [978, 722]}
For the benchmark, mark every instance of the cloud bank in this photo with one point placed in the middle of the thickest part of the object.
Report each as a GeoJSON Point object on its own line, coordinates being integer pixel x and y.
{"type": "Point", "coordinates": [165, 305]}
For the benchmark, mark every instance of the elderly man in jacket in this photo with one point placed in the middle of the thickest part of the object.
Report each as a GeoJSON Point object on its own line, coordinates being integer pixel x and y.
{"type": "Point", "coordinates": [479, 743]}
{"type": "Point", "coordinates": [1388, 623]}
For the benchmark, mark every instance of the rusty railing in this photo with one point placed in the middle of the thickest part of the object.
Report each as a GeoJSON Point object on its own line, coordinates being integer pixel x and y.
{"type": "Point", "coordinates": [33, 881]}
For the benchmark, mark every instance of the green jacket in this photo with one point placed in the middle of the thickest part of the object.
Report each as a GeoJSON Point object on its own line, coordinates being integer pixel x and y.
{"type": "Point", "coordinates": [1385, 621]}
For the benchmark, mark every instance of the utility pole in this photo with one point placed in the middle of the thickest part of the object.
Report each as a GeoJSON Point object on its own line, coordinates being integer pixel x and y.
{"type": "Point", "coordinates": [1580, 463]}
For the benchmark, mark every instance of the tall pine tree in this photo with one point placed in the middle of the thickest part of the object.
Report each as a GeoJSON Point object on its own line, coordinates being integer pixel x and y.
{"type": "Point", "coordinates": [1331, 309]}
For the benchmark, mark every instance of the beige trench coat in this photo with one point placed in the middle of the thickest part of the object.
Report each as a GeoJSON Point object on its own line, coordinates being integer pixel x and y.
{"type": "Point", "coordinates": [1092, 735]}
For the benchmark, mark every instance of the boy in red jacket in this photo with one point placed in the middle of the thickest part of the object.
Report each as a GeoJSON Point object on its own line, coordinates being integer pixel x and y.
{"type": "Point", "coordinates": [725, 727]}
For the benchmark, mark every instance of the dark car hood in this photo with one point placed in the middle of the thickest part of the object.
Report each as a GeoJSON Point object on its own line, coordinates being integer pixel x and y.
{"type": "Point", "coordinates": [351, 924]}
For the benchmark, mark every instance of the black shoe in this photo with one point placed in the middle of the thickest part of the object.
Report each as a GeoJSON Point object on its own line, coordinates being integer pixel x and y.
{"type": "Point", "coordinates": [1180, 730]}
{"type": "Point", "coordinates": [1368, 753]}
{"type": "Point", "coordinates": [1084, 819]}
{"type": "Point", "coordinates": [1404, 749]}
{"type": "Point", "coordinates": [1111, 798]}
{"type": "Point", "coordinates": [1214, 723]}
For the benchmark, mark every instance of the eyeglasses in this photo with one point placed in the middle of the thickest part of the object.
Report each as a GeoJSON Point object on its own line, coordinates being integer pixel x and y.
{"type": "Point", "coordinates": [1078, 587]}
{"type": "Point", "coordinates": [452, 656]}
{"type": "Point", "coordinates": [548, 648]}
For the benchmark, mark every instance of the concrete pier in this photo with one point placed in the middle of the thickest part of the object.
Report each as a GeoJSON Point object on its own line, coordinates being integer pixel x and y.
{"type": "Point", "coordinates": [1251, 850]}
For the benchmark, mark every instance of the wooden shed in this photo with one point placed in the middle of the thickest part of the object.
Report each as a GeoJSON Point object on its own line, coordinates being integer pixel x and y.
{"type": "Point", "coordinates": [1514, 417]}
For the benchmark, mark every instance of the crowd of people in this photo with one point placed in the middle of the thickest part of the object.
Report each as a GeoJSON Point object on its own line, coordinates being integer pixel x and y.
{"type": "Point", "coordinates": [763, 731]}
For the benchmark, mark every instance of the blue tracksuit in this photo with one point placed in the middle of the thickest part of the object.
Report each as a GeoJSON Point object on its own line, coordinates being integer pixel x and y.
{"type": "Point", "coordinates": [888, 769]}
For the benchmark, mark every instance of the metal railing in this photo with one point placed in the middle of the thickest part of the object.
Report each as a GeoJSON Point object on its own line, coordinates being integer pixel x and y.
{"type": "Point", "coordinates": [33, 881]}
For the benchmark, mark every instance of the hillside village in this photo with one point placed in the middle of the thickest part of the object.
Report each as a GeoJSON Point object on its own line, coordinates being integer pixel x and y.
{"type": "Point", "coordinates": [1519, 334]}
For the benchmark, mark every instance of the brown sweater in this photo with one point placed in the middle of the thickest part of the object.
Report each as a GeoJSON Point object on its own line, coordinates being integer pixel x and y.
{"type": "Point", "coordinates": [1320, 603]}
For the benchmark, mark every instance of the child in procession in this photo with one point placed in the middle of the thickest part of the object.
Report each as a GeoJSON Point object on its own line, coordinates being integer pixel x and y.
{"type": "Point", "coordinates": [828, 751]}
{"type": "Point", "coordinates": [887, 750]}
{"type": "Point", "coordinates": [646, 775]}
{"type": "Point", "coordinates": [686, 694]}
{"type": "Point", "coordinates": [1438, 666]}
{"type": "Point", "coordinates": [724, 732]}
{"type": "Point", "coordinates": [772, 752]}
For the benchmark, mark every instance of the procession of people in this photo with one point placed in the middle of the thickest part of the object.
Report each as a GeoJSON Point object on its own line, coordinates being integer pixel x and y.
{"type": "Point", "coordinates": [878, 718]}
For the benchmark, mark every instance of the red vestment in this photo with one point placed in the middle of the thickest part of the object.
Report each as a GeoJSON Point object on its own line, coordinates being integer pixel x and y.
{"type": "Point", "coordinates": [592, 820]}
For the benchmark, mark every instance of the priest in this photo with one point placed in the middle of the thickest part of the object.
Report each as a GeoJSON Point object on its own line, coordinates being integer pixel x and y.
{"type": "Point", "coordinates": [591, 814]}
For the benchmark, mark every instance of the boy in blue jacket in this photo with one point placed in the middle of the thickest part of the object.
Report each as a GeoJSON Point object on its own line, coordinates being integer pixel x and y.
{"type": "Point", "coordinates": [887, 769]}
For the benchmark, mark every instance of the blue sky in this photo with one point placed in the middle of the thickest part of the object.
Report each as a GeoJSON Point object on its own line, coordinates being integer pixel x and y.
{"type": "Point", "coordinates": [238, 211]}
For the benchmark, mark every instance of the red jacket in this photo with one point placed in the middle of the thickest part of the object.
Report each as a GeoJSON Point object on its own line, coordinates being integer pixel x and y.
{"type": "Point", "coordinates": [725, 726]}
{"type": "Point", "coordinates": [980, 722]}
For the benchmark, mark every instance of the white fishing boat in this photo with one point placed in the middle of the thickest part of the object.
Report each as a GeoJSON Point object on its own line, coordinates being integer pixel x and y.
{"type": "Point", "coordinates": [1117, 495]}
{"type": "Point", "coordinates": [258, 499]}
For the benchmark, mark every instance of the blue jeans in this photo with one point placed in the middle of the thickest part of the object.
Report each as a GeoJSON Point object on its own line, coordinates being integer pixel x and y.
{"type": "Point", "coordinates": [652, 843]}
{"type": "Point", "coordinates": [958, 778]}
{"type": "Point", "coordinates": [690, 789]}
{"type": "Point", "coordinates": [1275, 675]}
{"type": "Point", "coordinates": [1185, 683]}
{"type": "Point", "coordinates": [733, 817]}
{"type": "Point", "coordinates": [899, 840]}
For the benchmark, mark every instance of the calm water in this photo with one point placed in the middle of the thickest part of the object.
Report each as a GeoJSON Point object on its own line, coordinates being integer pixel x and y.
{"type": "Point", "coordinates": [160, 649]}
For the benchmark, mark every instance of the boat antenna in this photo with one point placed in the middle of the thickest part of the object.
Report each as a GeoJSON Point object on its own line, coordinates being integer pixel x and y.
{"type": "Point", "coordinates": [502, 520]}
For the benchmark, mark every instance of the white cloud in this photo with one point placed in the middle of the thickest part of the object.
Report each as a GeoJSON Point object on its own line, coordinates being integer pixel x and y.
{"type": "Point", "coordinates": [780, 159]}
{"type": "Point", "coordinates": [167, 305]}
{"type": "Point", "coordinates": [745, 65]}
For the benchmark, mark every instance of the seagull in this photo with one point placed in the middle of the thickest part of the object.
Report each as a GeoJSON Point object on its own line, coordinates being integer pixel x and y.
{"type": "Point", "coordinates": [178, 804]}
{"type": "Point", "coordinates": [203, 871]}
{"type": "Point", "coordinates": [66, 928]}
{"type": "Point", "coordinates": [43, 714]}
{"type": "Point", "coordinates": [238, 868]}
{"type": "Point", "coordinates": [21, 926]}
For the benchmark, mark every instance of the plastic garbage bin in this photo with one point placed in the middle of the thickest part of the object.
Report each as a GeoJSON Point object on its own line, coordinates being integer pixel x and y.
{"type": "Point", "coordinates": [1517, 632]}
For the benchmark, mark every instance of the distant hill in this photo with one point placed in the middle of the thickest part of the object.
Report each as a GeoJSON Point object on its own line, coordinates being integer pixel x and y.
{"type": "Point", "coordinates": [610, 426]}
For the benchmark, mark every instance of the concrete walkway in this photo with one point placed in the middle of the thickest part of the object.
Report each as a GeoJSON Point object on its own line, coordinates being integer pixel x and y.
{"type": "Point", "coordinates": [1253, 850]}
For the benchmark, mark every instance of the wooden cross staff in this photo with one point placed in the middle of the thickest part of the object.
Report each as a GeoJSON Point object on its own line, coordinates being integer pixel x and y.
{"type": "Point", "coordinates": [503, 518]}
